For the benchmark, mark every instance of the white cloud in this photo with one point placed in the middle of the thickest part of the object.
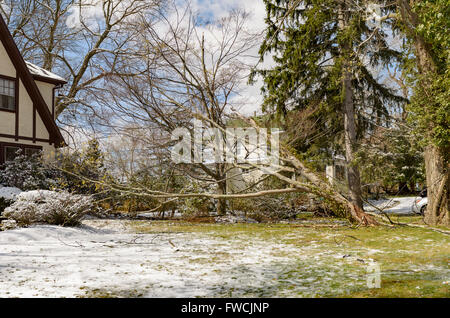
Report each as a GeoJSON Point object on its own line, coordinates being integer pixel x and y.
{"type": "Point", "coordinates": [250, 95]}
{"type": "Point", "coordinates": [220, 9]}
{"type": "Point", "coordinates": [91, 13]}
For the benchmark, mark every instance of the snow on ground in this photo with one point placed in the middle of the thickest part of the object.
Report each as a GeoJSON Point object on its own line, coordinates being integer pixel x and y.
{"type": "Point", "coordinates": [394, 205]}
{"type": "Point", "coordinates": [111, 258]}
{"type": "Point", "coordinates": [9, 193]}
{"type": "Point", "coordinates": [52, 261]}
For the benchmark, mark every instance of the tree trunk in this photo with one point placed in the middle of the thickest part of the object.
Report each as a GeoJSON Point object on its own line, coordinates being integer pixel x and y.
{"type": "Point", "coordinates": [354, 213]}
{"type": "Point", "coordinates": [437, 187]}
{"type": "Point", "coordinates": [221, 203]}
{"type": "Point", "coordinates": [436, 165]}
{"type": "Point", "coordinates": [353, 176]}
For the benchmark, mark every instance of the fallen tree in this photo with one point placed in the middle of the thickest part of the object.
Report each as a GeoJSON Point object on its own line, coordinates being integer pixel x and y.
{"type": "Point", "coordinates": [315, 184]}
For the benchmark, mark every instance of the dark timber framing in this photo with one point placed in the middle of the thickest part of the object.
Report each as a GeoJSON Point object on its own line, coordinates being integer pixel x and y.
{"type": "Point", "coordinates": [24, 138]}
{"type": "Point", "coordinates": [29, 83]}
{"type": "Point", "coordinates": [17, 106]}
{"type": "Point", "coordinates": [34, 123]}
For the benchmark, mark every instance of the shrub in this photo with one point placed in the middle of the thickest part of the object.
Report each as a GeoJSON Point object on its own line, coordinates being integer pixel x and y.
{"type": "Point", "coordinates": [7, 197]}
{"type": "Point", "coordinates": [4, 203]}
{"type": "Point", "coordinates": [41, 206]}
{"type": "Point", "coordinates": [66, 172]}
{"type": "Point", "coordinates": [80, 166]}
{"type": "Point", "coordinates": [27, 173]}
{"type": "Point", "coordinates": [194, 207]}
{"type": "Point", "coordinates": [8, 225]}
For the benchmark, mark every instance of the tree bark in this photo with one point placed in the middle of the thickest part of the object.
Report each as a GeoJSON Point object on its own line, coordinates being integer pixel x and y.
{"type": "Point", "coordinates": [437, 187]}
{"type": "Point", "coordinates": [353, 176]}
{"type": "Point", "coordinates": [222, 203]}
{"type": "Point", "coordinates": [221, 188]}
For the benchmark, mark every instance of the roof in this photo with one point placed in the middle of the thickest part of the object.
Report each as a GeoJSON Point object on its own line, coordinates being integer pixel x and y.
{"type": "Point", "coordinates": [30, 85]}
{"type": "Point", "coordinates": [43, 75]}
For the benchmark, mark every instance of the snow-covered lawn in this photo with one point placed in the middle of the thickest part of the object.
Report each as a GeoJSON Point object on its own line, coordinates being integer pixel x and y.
{"type": "Point", "coordinates": [64, 262]}
{"type": "Point", "coordinates": [129, 259]}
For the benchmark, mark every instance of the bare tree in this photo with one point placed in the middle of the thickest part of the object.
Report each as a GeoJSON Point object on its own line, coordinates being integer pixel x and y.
{"type": "Point", "coordinates": [85, 41]}
{"type": "Point", "coordinates": [185, 68]}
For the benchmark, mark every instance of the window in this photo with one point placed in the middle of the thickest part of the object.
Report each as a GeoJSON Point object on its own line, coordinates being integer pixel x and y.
{"type": "Point", "coordinates": [7, 94]}
{"type": "Point", "coordinates": [11, 153]}
{"type": "Point", "coordinates": [31, 151]}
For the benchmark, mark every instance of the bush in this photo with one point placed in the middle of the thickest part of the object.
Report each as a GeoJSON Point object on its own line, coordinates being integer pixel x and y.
{"type": "Point", "coordinates": [41, 206]}
{"type": "Point", "coordinates": [4, 203]}
{"type": "Point", "coordinates": [27, 173]}
{"type": "Point", "coordinates": [7, 197]}
{"type": "Point", "coordinates": [67, 172]}
{"type": "Point", "coordinates": [194, 207]}
{"type": "Point", "coordinates": [80, 166]}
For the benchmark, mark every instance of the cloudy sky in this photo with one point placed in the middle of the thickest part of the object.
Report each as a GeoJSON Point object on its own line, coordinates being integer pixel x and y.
{"type": "Point", "coordinates": [209, 10]}
{"type": "Point", "coordinates": [250, 95]}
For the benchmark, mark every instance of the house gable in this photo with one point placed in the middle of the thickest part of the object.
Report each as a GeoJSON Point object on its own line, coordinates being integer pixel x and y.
{"type": "Point", "coordinates": [16, 69]}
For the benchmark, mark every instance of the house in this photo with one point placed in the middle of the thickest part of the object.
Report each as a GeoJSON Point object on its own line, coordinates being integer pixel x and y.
{"type": "Point", "coordinates": [27, 103]}
{"type": "Point", "coordinates": [336, 172]}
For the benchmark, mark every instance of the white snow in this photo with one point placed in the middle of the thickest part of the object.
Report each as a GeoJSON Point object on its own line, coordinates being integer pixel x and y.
{"type": "Point", "coordinates": [51, 261]}
{"type": "Point", "coordinates": [9, 193]}
{"type": "Point", "coordinates": [39, 71]}
{"type": "Point", "coordinates": [34, 195]}
{"type": "Point", "coordinates": [108, 258]}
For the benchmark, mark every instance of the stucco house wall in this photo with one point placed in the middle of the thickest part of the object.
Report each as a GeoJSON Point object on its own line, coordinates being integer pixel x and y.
{"type": "Point", "coordinates": [25, 126]}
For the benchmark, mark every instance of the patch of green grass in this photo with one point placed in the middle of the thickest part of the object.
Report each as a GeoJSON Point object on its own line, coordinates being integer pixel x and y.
{"type": "Point", "coordinates": [110, 293]}
{"type": "Point", "coordinates": [414, 262]}
{"type": "Point", "coordinates": [406, 286]}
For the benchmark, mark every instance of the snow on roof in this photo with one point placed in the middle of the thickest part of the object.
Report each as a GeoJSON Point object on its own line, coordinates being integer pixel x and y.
{"type": "Point", "coordinates": [39, 71]}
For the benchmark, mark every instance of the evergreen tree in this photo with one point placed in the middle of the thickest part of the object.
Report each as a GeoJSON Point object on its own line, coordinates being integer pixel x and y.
{"type": "Point", "coordinates": [326, 52]}
{"type": "Point", "coordinates": [82, 168]}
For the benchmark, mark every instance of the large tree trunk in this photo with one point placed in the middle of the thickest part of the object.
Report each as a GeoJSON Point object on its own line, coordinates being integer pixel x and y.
{"type": "Point", "coordinates": [221, 188]}
{"type": "Point", "coordinates": [438, 187]}
{"type": "Point", "coordinates": [354, 213]}
{"type": "Point", "coordinates": [436, 164]}
{"type": "Point", "coordinates": [353, 176]}
{"type": "Point", "coordinates": [221, 203]}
